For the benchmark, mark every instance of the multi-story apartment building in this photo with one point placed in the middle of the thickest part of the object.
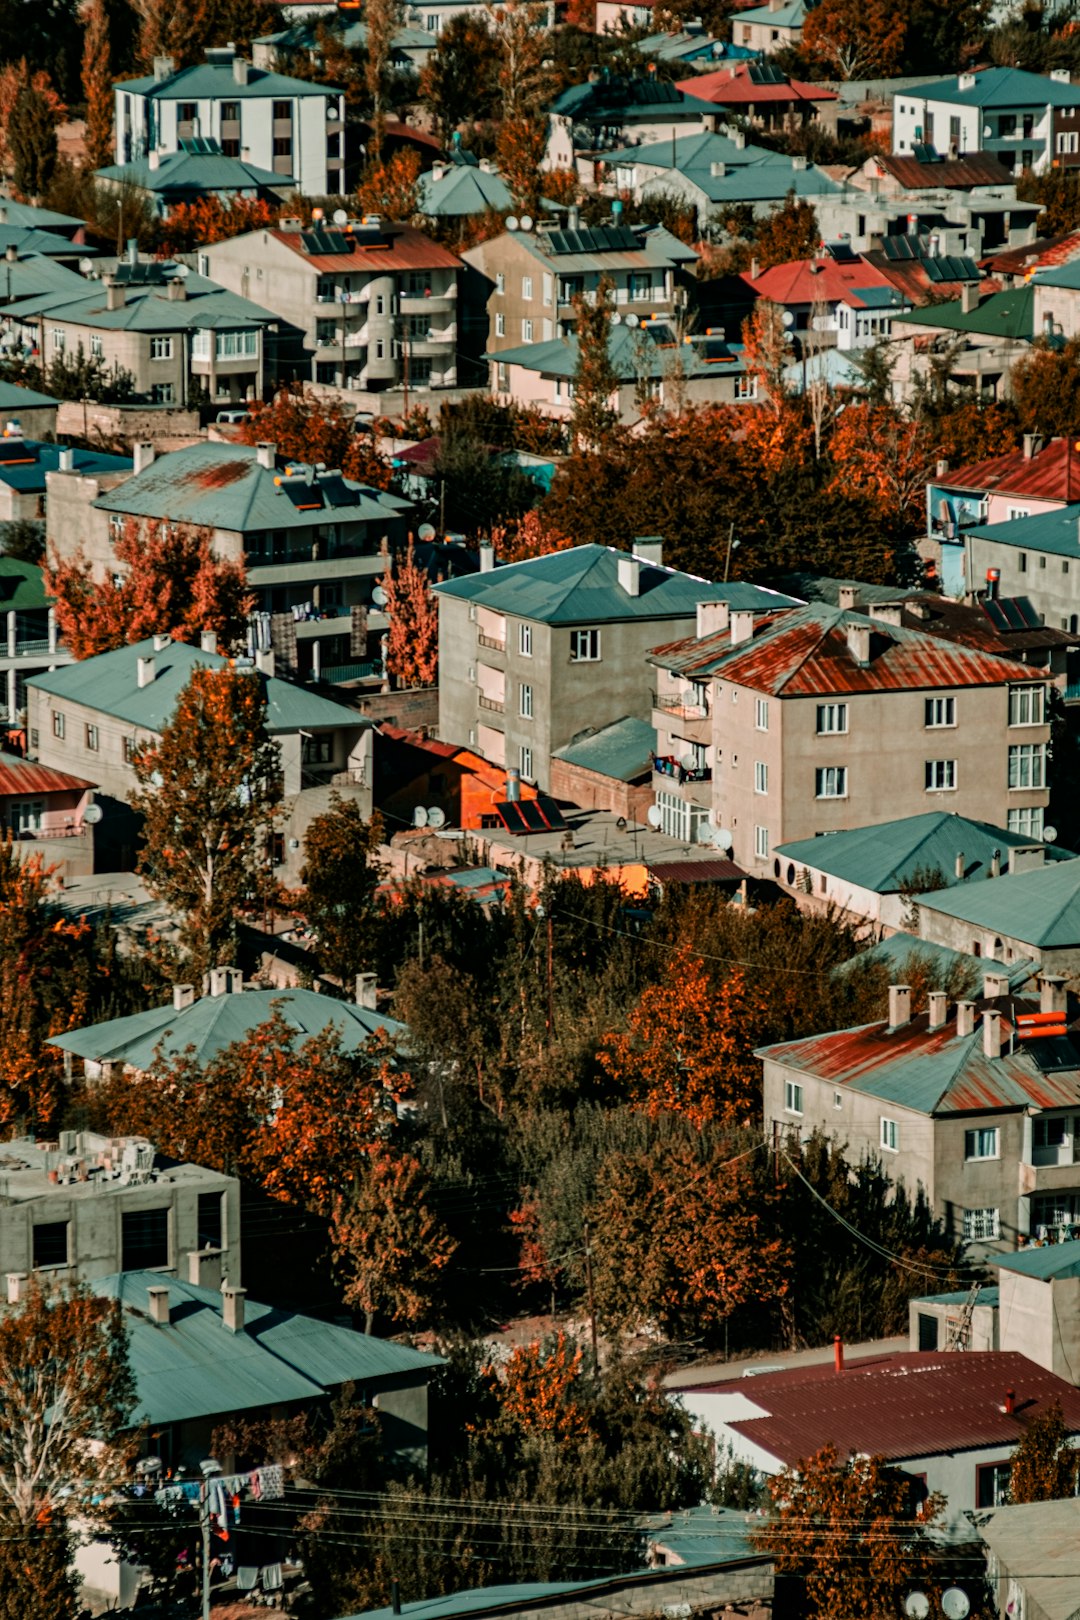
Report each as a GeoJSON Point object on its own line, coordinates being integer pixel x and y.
{"type": "Point", "coordinates": [312, 542]}
{"type": "Point", "coordinates": [375, 305]}
{"type": "Point", "coordinates": [773, 729]}
{"type": "Point", "coordinates": [981, 1114]}
{"type": "Point", "coordinates": [533, 653]}
{"type": "Point", "coordinates": [1022, 119]}
{"type": "Point", "coordinates": [288, 127]}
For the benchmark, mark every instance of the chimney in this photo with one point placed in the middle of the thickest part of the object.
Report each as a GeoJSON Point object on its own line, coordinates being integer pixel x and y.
{"type": "Point", "coordinates": [159, 1305]}
{"type": "Point", "coordinates": [650, 548]}
{"type": "Point", "coordinates": [755, 269]}
{"type": "Point", "coordinates": [995, 985]}
{"type": "Point", "coordinates": [959, 867]}
{"type": "Point", "coordinates": [164, 68]}
{"type": "Point", "coordinates": [712, 618]}
{"type": "Point", "coordinates": [240, 70]}
{"type": "Point", "coordinates": [487, 556]}
{"type": "Point", "coordinates": [718, 170]}
{"type": "Point", "coordinates": [1010, 1402]}
{"type": "Point", "coordinates": [937, 1009]}
{"type": "Point", "coordinates": [838, 1353]}
{"type": "Point", "coordinates": [941, 468]}
{"type": "Point", "coordinates": [225, 981]}
{"type": "Point", "coordinates": [153, 161]}
{"type": "Point", "coordinates": [739, 138]}
{"type": "Point", "coordinates": [1052, 995]}
{"type": "Point", "coordinates": [573, 218]}
{"type": "Point", "coordinates": [145, 667]}
{"type": "Point", "coordinates": [11, 252]}
{"type": "Point", "coordinates": [1030, 445]}
{"type": "Point", "coordinates": [177, 288]}
{"type": "Point", "coordinates": [208, 641]}
{"type": "Point", "coordinates": [264, 660]}
{"type": "Point", "coordinates": [899, 1005]}
{"type": "Point", "coordinates": [437, 172]}
{"type": "Point", "coordinates": [991, 1028]}
{"type": "Point", "coordinates": [966, 81]}
{"type": "Point", "coordinates": [858, 640]}
{"type": "Point", "coordinates": [742, 627]}
{"type": "Point", "coordinates": [995, 863]}
{"type": "Point", "coordinates": [66, 462]}
{"type": "Point", "coordinates": [848, 594]}
{"type": "Point", "coordinates": [800, 163]}
{"type": "Point", "coordinates": [365, 991]}
{"type": "Point", "coordinates": [887, 613]}
{"type": "Point", "coordinates": [965, 1018]}
{"type": "Point", "coordinates": [183, 995]}
{"type": "Point", "coordinates": [630, 575]}
{"type": "Point", "coordinates": [204, 1268]}
{"type": "Point", "coordinates": [232, 1308]}
{"type": "Point", "coordinates": [1060, 75]}
{"type": "Point", "coordinates": [15, 1280]}
{"type": "Point", "coordinates": [969, 297]}
{"type": "Point", "coordinates": [142, 455]}
{"type": "Point", "coordinates": [161, 641]}
{"type": "Point", "coordinates": [114, 294]}
{"type": "Point", "coordinates": [266, 454]}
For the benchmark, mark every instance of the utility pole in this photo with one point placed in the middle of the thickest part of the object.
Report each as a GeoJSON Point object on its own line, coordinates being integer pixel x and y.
{"type": "Point", "coordinates": [592, 1302]}
{"type": "Point", "coordinates": [550, 995]}
{"type": "Point", "coordinates": [204, 1520]}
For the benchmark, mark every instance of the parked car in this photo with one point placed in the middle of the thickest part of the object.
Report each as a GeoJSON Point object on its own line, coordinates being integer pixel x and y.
{"type": "Point", "coordinates": [231, 418]}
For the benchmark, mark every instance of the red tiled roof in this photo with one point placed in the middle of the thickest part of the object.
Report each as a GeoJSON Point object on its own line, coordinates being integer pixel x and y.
{"type": "Point", "coordinates": [1049, 250]}
{"type": "Point", "coordinates": [718, 871]}
{"type": "Point", "coordinates": [735, 85]}
{"type": "Point", "coordinates": [914, 1404]}
{"type": "Point", "coordinates": [21, 776]}
{"type": "Point", "coordinates": [1045, 476]}
{"type": "Point", "coordinates": [798, 283]}
{"type": "Point", "coordinates": [971, 169]}
{"type": "Point", "coordinates": [406, 250]}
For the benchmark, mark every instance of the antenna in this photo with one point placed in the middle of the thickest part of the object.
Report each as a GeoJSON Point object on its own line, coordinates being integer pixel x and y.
{"type": "Point", "coordinates": [654, 816]}
{"type": "Point", "coordinates": [85, 266]}
{"type": "Point", "coordinates": [616, 319]}
{"type": "Point", "coordinates": [1050, 835]}
{"type": "Point", "coordinates": [181, 272]}
{"type": "Point", "coordinates": [425, 532]}
{"type": "Point", "coordinates": [724, 838]}
{"type": "Point", "coordinates": [688, 762]}
{"type": "Point", "coordinates": [436, 818]}
{"type": "Point", "coordinates": [419, 816]}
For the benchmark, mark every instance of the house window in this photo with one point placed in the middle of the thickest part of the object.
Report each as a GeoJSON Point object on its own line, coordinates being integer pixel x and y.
{"type": "Point", "coordinates": [981, 1143]}
{"type": "Point", "coordinates": [1017, 512]}
{"type": "Point", "coordinates": [502, 378]}
{"type": "Point", "coordinates": [746, 386]}
{"type": "Point", "coordinates": [584, 646]}
{"type": "Point", "coordinates": [1026, 705]}
{"type": "Point", "coordinates": [890, 1135]}
{"type": "Point", "coordinates": [92, 738]}
{"type": "Point", "coordinates": [58, 724]}
{"type": "Point", "coordinates": [525, 701]}
{"type": "Point", "coordinates": [548, 289]}
{"type": "Point", "coordinates": [526, 286]}
{"type": "Point", "coordinates": [831, 719]}
{"type": "Point", "coordinates": [500, 283]}
{"type": "Point", "coordinates": [187, 111]}
{"type": "Point", "coordinates": [1021, 562]}
{"type": "Point", "coordinates": [380, 303]}
{"type": "Point", "coordinates": [130, 746]}
{"type": "Point", "coordinates": [830, 782]}
{"type": "Point", "coordinates": [940, 775]}
{"type": "Point", "coordinates": [282, 109]}
{"type": "Point", "coordinates": [50, 1245]}
{"type": "Point", "coordinates": [230, 112]}
{"type": "Point", "coordinates": [319, 750]}
{"type": "Point", "coordinates": [97, 348]}
{"type": "Point", "coordinates": [761, 714]}
{"type": "Point", "coordinates": [161, 348]}
{"type": "Point", "coordinates": [525, 640]}
{"type": "Point", "coordinates": [59, 338]}
{"type": "Point", "coordinates": [793, 1097]}
{"type": "Point", "coordinates": [500, 325]}
{"type": "Point", "coordinates": [162, 393]}
{"type": "Point", "coordinates": [761, 843]}
{"type": "Point", "coordinates": [283, 146]}
{"type": "Point", "coordinates": [526, 331]}
{"type": "Point", "coordinates": [1049, 1132]}
{"type": "Point", "coordinates": [380, 348]}
{"type": "Point", "coordinates": [981, 1225]}
{"type": "Point", "coordinates": [941, 711]}
{"type": "Point", "coordinates": [210, 1224]}
{"type": "Point", "coordinates": [838, 1099]}
{"type": "Point", "coordinates": [761, 776]}
{"type": "Point", "coordinates": [144, 1239]}
{"type": "Point", "coordinates": [525, 762]}
{"type": "Point", "coordinates": [1028, 822]}
{"type": "Point", "coordinates": [992, 1484]}
{"type": "Point", "coordinates": [1027, 765]}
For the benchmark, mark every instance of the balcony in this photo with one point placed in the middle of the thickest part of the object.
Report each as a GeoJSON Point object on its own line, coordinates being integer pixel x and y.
{"type": "Point", "coordinates": [674, 702]}
{"type": "Point", "coordinates": [496, 643]}
{"type": "Point", "coordinates": [494, 705]}
{"type": "Point", "coordinates": [426, 303]}
{"type": "Point", "coordinates": [668, 765]}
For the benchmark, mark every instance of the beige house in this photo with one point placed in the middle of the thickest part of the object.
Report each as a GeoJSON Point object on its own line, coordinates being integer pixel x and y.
{"type": "Point", "coordinates": [771, 27]}
{"type": "Point", "coordinates": [773, 729]}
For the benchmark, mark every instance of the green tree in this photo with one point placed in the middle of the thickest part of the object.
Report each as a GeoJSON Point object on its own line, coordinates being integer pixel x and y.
{"type": "Point", "coordinates": [340, 875]}
{"type": "Point", "coordinates": [208, 791]}
{"type": "Point", "coordinates": [390, 1245]}
{"type": "Point", "coordinates": [459, 82]}
{"type": "Point", "coordinates": [594, 418]}
{"type": "Point", "coordinates": [31, 137]}
{"type": "Point", "coordinates": [1044, 1464]}
{"type": "Point", "coordinates": [1045, 386]}
{"type": "Point", "coordinates": [97, 76]}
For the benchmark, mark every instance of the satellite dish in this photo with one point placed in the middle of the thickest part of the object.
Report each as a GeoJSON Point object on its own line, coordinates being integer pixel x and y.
{"type": "Point", "coordinates": [632, 320]}
{"type": "Point", "coordinates": [85, 266]}
{"type": "Point", "coordinates": [1050, 835]}
{"type": "Point", "coordinates": [340, 217]}
{"type": "Point", "coordinates": [616, 319]}
{"type": "Point", "coordinates": [92, 814]}
{"type": "Point", "coordinates": [917, 1605]}
{"type": "Point", "coordinates": [425, 532]}
{"type": "Point", "coordinates": [512, 223]}
{"type": "Point", "coordinates": [788, 318]}
{"type": "Point", "coordinates": [687, 762]}
{"type": "Point", "coordinates": [526, 222]}
{"type": "Point", "coordinates": [955, 1603]}
{"type": "Point", "coordinates": [653, 815]}
{"type": "Point", "coordinates": [419, 816]}
{"type": "Point", "coordinates": [182, 272]}
{"type": "Point", "coordinates": [988, 133]}
{"type": "Point", "coordinates": [379, 596]}
{"type": "Point", "coordinates": [724, 838]}
{"type": "Point", "coordinates": [435, 817]}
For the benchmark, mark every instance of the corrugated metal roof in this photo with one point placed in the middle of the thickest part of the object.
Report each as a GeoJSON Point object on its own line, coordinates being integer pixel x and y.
{"type": "Point", "coordinates": [622, 750]}
{"type": "Point", "coordinates": [806, 281]}
{"type": "Point", "coordinates": [212, 1023]}
{"type": "Point", "coordinates": [1002, 87]}
{"type": "Point", "coordinates": [1035, 1542]}
{"type": "Point", "coordinates": [1045, 476]}
{"type": "Point", "coordinates": [24, 463]}
{"type": "Point", "coordinates": [915, 1404]}
{"type": "Point", "coordinates": [1057, 533]}
{"type": "Point", "coordinates": [22, 586]}
{"type": "Point", "coordinates": [734, 85]}
{"type": "Point", "coordinates": [985, 1296]}
{"type": "Point", "coordinates": [1055, 1260]}
{"type": "Point", "coordinates": [1004, 314]}
{"type": "Point", "coordinates": [581, 586]}
{"type": "Point", "coordinates": [215, 81]}
{"type": "Point", "coordinates": [1040, 907]}
{"type": "Point", "coordinates": [194, 171]}
{"type": "Point", "coordinates": [146, 307]}
{"type": "Point", "coordinates": [14, 397]}
{"type": "Point", "coordinates": [19, 776]}
{"type": "Point", "coordinates": [953, 174]}
{"type": "Point", "coordinates": [402, 248]}
{"type": "Point", "coordinates": [717, 870]}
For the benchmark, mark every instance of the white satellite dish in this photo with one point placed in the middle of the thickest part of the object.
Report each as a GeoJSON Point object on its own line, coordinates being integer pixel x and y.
{"type": "Point", "coordinates": [917, 1605]}
{"type": "Point", "coordinates": [182, 272]}
{"type": "Point", "coordinates": [85, 266]}
{"type": "Point", "coordinates": [419, 816]}
{"type": "Point", "coordinates": [340, 217]}
{"type": "Point", "coordinates": [426, 531]}
{"type": "Point", "coordinates": [92, 814]}
{"type": "Point", "coordinates": [526, 222]}
{"type": "Point", "coordinates": [379, 596]}
{"type": "Point", "coordinates": [512, 222]}
{"type": "Point", "coordinates": [632, 320]}
{"type": "Point", "coordinates": [436, 818]}
{"type": "Point", "coordinates": [955, 1603]}
{"type": "Point", "coordinates": [688, 762]}
{"type": "Point", "coordinates": [724, 838]}
{"type": "Point", "coordinates": [616, 319]}
{"type": "Point", "coordinates": [788, 318]}
{"type": "Point", "coordinates": [654, 815]}
{"type": "Point", "coordinates": [1050, 835]}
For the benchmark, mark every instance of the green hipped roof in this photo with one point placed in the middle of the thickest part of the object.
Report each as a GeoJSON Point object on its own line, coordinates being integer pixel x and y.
{"type": "Point", "coordinates": [212, 1023]}
{"type": "Point", "coordinates": [30, 216]}
{"type": "Point", "coordinates": [1005, 314]}
{"type": "Point", "coordinates": [213, 81]}
{"type": "Point", "coordinates": [698, 151]}
{"type": "Point", "coordinates": [986, 1296]}
{"type": "Point", "coordinates": [631, 353]}
{"type": "Point", "coordinates": [109, 683]}
{"type": "Point", "coordinates": [28, 239]}
{"type": "Point", "coordinates": [622, 750]}
{"type": "Point", "coordinates": [1056, 1260]}
{"type": "Point", "coordinates": [1040, 907]}
{"type": "Point", "coordinates": [21, 586]}
{"type": "Point", "coordinates": [1055, 532]}
{"type": "Point", "coordinates": [1002, 87]}
{"type": "Point", "coordinates": [194, 1367]}
{"type": "Point", "coordinates": [791, 15]}
{"type": "Point", "coordinates": [223, 486]}
{"type": "Point", "coordinates": [193, 171]}
{"type": "Point", "coordinates": [32, 274]}
{"type": "Point", "coordinates": [884, 857]}
{"type": "Point", "coordinates": [581, 586]}
{"type": "Point", "coordinates": [461, 191]}
{"type": "Point", "coordinates": [146, 308]}
{"type": "Point", "coordinates": [907, 954]}
{"type": "Point", "coordinates": [14, 398]}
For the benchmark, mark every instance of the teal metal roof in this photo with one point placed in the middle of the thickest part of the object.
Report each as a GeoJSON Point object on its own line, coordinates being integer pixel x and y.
{"type": "Point", "coordinates": [30, 216]}
{"type": "Point", "coordinates": [146, 308]}
{"type": "Point", "coordinates": [223, 486]}
{"type": "Point", "coordinates": [622, 750]}
{"type": "Point", "coordinates": [32, 274]}
{"type": "Point", "coordinates": [698, 151]}
{"type": "Point", "coordinates": [1053, 532]}
{"type": "Point", "coordinates": [791, 15]}
{"type": "Point", "coordinates": [193, 171]}
{"type": "Point", "coordinates": [21, 586]}
{"type": "Point", "coordinates": [29, 478]}
{"type": "Point", "coordinates": [629, 101]}
{"type": "Point", "coordinates": [462, 191]}
{"type": "Point", "coordinates": [1040, 907]}
{"type": "Point", "coordinates": [1055, 1260]}
{"type": "Point", "coordinates": [50, 244]}
{"type": "Point", "coordinates": [631, 353]}
{"type": "Point", "coordinates": [1004, 314]}
{"type": "Point", "coordinates": [985, 1296]}
{"type": "Point", "coordinates": [212, 1023]}
{"type": "Point", "coordinates": [14, 398]}
{"type": "Point", "coordinates": [195, 1367]}
{"type": "Point", "coordinates": [581, 586]}
{"type": "Point", "coordinates": [214, 81]}
{"type": "Point", "coordinates": [109, 683]}
{"type": "Point", "coordinates": [882, 858]}
{"type": "Point", "coordinates": [1002, 87]}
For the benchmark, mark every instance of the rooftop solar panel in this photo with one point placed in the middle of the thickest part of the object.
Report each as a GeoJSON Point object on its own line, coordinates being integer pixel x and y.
{"type": "Point", "coordinates": [530, 815]}
{"type": "Point", "coordinates": [509, 813]}
{"type": "Point", "coordinates": [766, 73]}
{"type": "Point", "coordinates": [551, 813]}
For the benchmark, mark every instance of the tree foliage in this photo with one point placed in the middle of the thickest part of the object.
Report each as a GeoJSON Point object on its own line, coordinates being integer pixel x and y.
{"type": "Point", "coordinates": [1046, 388]}
{"type": "Point", "coordinates": [31, 139]}
{"type": "Point", "coordinates": [97, 85]}
{"type": "Point", "coordinates": [594, 418]}
{"type": "Point", "coordinates": [390, 1244]}
{"type": "Point", "coordinates": [459, 81]}
{"type": "Point", "coordinates": [412, 642]}
{"type": "Point", "coordinates": [340, 874]}
{"type": "Point", "coordinates": [1044, 1464]}
{"type": "Point", "coordinates": [388, 186]}
{"type": "Point", "coordinates": [308, 429]}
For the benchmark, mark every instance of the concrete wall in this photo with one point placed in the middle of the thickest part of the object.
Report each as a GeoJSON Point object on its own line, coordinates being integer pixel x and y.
{"type": "Point", "coordinates": [78, 418]}
{"type": "Point", "coordinates": [592, 791]}
{"type": "Point", "coordinates": [1051, 582]}
{"type": "Point", "coordinates": [959, 935]}
{"type": "Point", "coordinates": [982, 1333]}
{"type": "Point", "coordinates": [1041, 1320]}
{"type": "Point", "coordinates": [36, 422]}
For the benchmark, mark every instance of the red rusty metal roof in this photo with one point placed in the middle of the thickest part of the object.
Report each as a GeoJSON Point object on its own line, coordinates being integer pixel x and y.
{"type": "Point", "coordinates": [733, 85]}
{"type": "Point", "coordinates": [1045, 476]}
{"type": "Point", "coordinates": [1040, 255]}
{"type": "Point", "coordinates": [406, 250]}
{"type": "Point", "coordinates": [805, 281]}
{"type": "Point", "coordinates": [20, 776]}
{"type": "Point", "coordinates": [705, 871]}
{"type": "Point", "coordinates": [971, 169]}
{"type": "Point", "coordinates": [904, 1406]}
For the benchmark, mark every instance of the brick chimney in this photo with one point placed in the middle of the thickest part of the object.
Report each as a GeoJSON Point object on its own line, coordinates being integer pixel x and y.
{"type": "Point", "coordinates": [965, 1018]}
{"type": "Point", "coordinates": [159, 1305]}
{"type": "Point", "coordinates": [899, 1005]}
{"type": "Point", "coordinates": [232, 1308]}
{"type": "Point", "coordinates": [991, 1027]}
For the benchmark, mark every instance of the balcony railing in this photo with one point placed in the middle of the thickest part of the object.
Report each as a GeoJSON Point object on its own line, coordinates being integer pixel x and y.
{"type": "Point", "coordinates": [496, 705]}
{"type": "Point", "coordinates": [680, 703]}
{"type": "Point", "coordinates": [667, 765]}
{"type": "Point", "coordinates": [494, 642]}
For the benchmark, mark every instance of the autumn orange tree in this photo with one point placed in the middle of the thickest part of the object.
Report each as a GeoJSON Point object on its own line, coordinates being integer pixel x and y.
{"type": "Point", "coordinates": [1044, 1464]}
{"type": "Point", "coordinates": [305, 428]}
{"type": "Point", "coordinates": [857, 38]}
{"type": "Point", "coordinates": [529, 536]}
{"type": "Point", "coordinates": [167, 582]}
{"type": "Point", "coordinates": [388, 186]}
{"type": "Point", "coordinates": [846, 1527]}
{"type": "Point", "coordinates": [520, 144]}
{"type": "Point", "coordinates": [1045, 387]}
{"type": "Point", "coordinates": [97, 85]}
{"type": "Point", "coordinates": [540, 1388]}
{"type": "Point", "coordinates": [391, 1246]}
{"type": "Point", "coordinates": [213, 219]}
{"type": "Point", "coordinates": [412, 642]}
{"type": "Point", "coordinates": [786, 233]}
{"type": "Point", "coordinates": [884, 459]}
